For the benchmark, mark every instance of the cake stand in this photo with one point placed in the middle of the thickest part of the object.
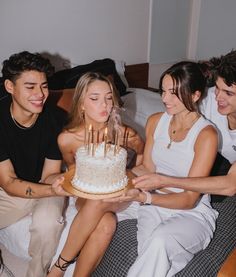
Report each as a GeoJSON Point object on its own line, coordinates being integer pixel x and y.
{"type": "Point", "coordinates": [67, 186]}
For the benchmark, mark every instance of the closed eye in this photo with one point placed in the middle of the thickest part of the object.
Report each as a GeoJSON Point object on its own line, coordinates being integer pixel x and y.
{"type": "Point", "coordinates": [229, 93]}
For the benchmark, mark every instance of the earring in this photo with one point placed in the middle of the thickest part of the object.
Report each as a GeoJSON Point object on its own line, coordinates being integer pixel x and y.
{"type": "Point", "coordinates": [82, 113]}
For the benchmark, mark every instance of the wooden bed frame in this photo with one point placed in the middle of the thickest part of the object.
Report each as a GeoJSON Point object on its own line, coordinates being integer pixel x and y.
{"type": "Point", "coordinates": [137, 75]}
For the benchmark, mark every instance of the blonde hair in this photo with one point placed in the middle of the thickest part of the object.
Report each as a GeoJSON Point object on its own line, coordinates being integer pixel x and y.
{"type": "Point", "coordinates": [76, 114]}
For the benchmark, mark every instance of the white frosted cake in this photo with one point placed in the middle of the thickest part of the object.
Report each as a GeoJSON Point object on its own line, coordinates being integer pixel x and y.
{"type": "Point", "coordinates": [97, 174]}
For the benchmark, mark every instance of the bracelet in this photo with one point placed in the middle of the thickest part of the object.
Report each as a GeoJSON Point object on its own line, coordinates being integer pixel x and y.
{"type": "Point", "coordinates": [148, 200]}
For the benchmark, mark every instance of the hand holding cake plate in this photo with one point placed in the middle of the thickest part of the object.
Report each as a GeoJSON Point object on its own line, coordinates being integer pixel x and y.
{"type": "Point", "coordinates": [67, 186]}
{"type": "Point", "coordinates": [99, 172]}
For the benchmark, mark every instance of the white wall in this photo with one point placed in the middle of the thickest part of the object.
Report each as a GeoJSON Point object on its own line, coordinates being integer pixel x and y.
{"type": "Point", "coordinates": [217, 28]}
{"type": "Point", "coordinates": [78, 31]}
{"type": "Point", "coordinates": [169, 35]}
{"type": "Point", "coordinates": [190, 29]}
{"type": "Point", "coordinates": [169, 30]}
{"type": "Point", "coordinates": [160, 32]}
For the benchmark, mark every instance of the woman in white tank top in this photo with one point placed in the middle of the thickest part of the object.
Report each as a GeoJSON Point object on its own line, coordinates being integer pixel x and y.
{"type": "Point", "coordinates": [174, 225]}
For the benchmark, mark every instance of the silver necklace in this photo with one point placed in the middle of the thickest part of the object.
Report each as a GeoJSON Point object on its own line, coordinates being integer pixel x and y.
{"type": "Point", "coordinates": [18, 124]}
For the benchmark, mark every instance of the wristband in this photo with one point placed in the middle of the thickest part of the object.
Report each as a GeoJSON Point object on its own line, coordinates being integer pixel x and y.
{"type": "Point", "coordinates": [148, 200]}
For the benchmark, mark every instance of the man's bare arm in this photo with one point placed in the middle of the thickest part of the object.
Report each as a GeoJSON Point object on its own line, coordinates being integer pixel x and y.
{"type": "Point", "coordinates": [221, 185]}
{"type": "Point", "coordinates": [15, 186]}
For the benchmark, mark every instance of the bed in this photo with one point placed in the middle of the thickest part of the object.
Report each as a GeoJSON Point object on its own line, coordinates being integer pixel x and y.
{"type": "Point", "coordinates": [139, 102]}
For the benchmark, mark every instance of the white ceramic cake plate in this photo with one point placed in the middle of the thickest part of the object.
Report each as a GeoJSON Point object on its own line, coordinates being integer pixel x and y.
{"type": "Point", "coordinates": [67, 186]}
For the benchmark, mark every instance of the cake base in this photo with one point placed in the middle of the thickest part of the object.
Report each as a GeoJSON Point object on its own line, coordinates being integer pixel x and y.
{"type": "Point", "coordinates": [67, 186]}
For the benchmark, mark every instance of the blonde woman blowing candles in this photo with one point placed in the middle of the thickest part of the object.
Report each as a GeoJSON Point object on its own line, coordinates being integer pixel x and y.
{"type": "Point", "coordinates": [94, 104]}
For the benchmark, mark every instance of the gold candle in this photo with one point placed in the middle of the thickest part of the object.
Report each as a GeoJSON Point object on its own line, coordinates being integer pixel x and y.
{"type": "Point", "coordinates": [118, 143]}
{"type": "Point", "coordinates": [126, 139]}
{"type": "Point", "coordinates": [85, 136]}
{"type": "Point", "coordinates": [115, 144]}
{"type": "Point", "coordinates": [89, 137]}
{"type": "Point", "coordinates": [105, 142]}
{"type": "Point", "coordinates": [124, 136]}
{"type": "Point", "coordinates": [97, 136]}
{"type": "Point", "coordinates": [93, 142]}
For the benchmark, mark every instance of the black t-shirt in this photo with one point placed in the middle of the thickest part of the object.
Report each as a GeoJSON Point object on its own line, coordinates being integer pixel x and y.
{"type": "Point", "coordinates": [28, 148]}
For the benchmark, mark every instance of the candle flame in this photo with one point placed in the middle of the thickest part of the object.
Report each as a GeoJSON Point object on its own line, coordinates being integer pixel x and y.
{"type": "Point", "coordinates": [105, 131]}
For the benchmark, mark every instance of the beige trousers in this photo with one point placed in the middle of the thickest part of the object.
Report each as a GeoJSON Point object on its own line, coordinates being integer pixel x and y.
{"type": "Point", "coordinates": [45, 229]}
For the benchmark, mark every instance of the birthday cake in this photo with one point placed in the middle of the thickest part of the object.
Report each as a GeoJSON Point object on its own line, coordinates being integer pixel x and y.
{"type": "Point", "coordinates": [101, 171]}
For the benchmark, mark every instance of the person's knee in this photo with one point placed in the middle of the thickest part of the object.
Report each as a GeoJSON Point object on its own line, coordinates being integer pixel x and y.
{"type": "Point", "coordinates": [98, 205]}
{"type": "Point", "coordinates": [163, 240]}
{"type": "Point", "coordinates": [107, 225]}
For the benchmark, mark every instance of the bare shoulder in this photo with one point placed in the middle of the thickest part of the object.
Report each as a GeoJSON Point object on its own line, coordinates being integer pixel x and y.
{"type": "Point", "coordinates": [207, 139]}
{"type": "Point", "coordinates": [153, 121]}
{"type": "Point", "coordinates": [68, 137]}
{"type": "Point", "coordinates": [208, 133]}
{"type": "Point", "coordinates": [64, 137]}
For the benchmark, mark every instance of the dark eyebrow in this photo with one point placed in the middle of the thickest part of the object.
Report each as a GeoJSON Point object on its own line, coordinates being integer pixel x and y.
{"type": "Point", "coordinates": [225, 90]}
{"type": "Point", "coordinates": [32, 83]}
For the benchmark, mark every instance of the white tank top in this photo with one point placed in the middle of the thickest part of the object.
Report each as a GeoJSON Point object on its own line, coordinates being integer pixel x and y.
{"type": "Point", "coordinates": [177, 160]}
{"type": "Point", "coordinates": [227, 137]}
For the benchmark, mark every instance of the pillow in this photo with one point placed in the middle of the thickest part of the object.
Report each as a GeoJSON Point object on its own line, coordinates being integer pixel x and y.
{"type": "Point", "coordinates": [138, 106]}
{"type": "Point", "coordinates": [68, 78]}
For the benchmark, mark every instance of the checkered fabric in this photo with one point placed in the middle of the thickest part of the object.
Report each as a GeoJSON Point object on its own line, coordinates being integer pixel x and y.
{"type": "Point", "coordinates": [207, 263]}
{"type": "Point", "coordinates": [122, 251]}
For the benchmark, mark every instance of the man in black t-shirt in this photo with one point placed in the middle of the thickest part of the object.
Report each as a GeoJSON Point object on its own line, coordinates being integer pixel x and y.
{"type": "Point", "coordinates": [30, 160]}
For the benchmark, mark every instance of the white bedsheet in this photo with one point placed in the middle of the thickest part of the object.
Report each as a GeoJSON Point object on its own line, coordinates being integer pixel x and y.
{"type": "Point", "coordinates": [16, 237]}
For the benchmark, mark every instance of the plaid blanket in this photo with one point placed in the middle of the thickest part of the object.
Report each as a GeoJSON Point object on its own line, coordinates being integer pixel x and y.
{"type": "Point", "coordinates": [122, 251]}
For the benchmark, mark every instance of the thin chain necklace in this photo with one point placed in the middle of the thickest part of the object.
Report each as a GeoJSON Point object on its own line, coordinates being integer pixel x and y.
{"type": "Point", "coordinates": [173, 132]}
{"type": "Point", "coordinates": [171, 137]}
{"type": "Point", "coordinates": [18, 124]}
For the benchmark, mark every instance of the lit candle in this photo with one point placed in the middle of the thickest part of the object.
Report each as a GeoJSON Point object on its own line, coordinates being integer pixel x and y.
{"type": "Point", "coordinates": [93, 142]}
{"type": "Point", "coordinates": [89, 137]}
{"type": "Point", "coordinates": [85, 136]}
{"type": "Point", "coordinates": [118, 143]}
{"type": "Point", "coordinates": [105, 142]}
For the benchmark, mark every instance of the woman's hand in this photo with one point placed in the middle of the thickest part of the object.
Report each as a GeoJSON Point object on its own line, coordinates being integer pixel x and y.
{"type": "Point", "coordinates": [127, 196]}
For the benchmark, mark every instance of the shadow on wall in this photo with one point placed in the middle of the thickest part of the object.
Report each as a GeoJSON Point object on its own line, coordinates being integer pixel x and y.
{"type": "Point", "coordinates": [58, 61]}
